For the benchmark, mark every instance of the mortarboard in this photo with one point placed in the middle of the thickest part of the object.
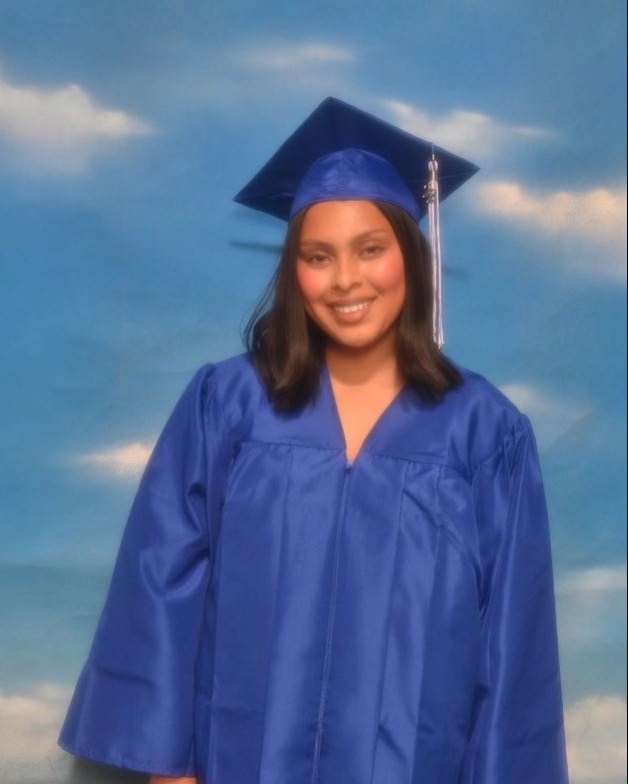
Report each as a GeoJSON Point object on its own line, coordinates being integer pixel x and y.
{"type": "Point", "coordinates": [342, 152]}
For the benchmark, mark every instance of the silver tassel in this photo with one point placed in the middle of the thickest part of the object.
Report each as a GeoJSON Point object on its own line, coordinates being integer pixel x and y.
{"type": "Point", "coordinates": [433, 216]}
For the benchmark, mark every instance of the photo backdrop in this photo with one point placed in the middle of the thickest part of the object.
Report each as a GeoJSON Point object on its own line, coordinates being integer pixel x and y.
{"type": "Point", "coordinates": [125, 130]}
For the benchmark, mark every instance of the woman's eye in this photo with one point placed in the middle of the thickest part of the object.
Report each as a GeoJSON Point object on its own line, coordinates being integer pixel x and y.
{"type": "Point", "coordinates": [316, 258]}
{"type": "Point", "coordinates": [372, 250]}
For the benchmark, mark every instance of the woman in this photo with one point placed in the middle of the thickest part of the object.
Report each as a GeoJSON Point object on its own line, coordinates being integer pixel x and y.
{"type": "Point", "coordinates": [337, 567]}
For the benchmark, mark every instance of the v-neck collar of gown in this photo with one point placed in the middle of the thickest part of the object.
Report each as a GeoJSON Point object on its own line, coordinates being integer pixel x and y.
{"type": "Point", "coordinates": [371, 438]}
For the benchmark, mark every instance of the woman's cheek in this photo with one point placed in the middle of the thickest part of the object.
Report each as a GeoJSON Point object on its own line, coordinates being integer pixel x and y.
{"type": "Point", "coordinates": [389, 275]}
{"type": "Point", "coordinates": [311, 282]}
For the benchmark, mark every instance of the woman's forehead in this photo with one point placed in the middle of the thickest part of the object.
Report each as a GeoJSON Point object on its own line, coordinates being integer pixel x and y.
{"type": "Point", "coordinates": [343, 217]}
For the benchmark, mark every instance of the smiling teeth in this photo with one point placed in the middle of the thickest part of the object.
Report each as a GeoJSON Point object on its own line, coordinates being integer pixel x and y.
{"type": "Point", "coordinates": [351, 308]}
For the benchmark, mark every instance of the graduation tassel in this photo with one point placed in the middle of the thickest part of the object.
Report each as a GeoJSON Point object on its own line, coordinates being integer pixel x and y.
{"type": "Point", "coordinates": [433, 217]}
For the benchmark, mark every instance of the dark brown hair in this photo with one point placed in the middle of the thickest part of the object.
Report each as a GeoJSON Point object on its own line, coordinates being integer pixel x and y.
{"type": "Point", "coordinates": [287, 346]}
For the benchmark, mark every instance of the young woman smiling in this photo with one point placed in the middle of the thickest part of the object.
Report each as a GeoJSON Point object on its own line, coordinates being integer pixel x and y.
{"type": "Point", "coordinates": [337, 568]}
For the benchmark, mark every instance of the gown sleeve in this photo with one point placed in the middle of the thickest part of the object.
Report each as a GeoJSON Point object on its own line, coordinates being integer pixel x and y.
{"type": "Point", "coordinates": [518, 733]}
{"type": "Point", "coordinates": [133, 705]}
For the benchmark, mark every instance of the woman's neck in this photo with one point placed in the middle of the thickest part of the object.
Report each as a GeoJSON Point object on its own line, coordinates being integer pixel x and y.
{"type": "Point", "coordinates": [359, 366]}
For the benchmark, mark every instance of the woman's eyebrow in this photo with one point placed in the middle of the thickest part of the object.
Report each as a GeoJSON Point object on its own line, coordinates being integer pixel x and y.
{"type": "Point", "coordinates": [371, 233]}
{"type": "Point", "coordinates": [306, 244]}
{"type": "Point", "coordinates": [309, 244]}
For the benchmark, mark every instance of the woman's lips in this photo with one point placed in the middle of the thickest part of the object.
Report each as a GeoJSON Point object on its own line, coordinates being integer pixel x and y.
{"type": "Point", "coordinates": [351, 312]}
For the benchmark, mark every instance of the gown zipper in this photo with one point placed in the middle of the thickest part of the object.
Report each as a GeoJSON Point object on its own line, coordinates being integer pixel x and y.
{"type": "Point", "coordinates": [330, 621]}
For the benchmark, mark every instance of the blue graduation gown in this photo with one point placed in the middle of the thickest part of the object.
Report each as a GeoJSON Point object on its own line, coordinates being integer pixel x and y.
{"type": "Point", "coordinates": [278, 615]}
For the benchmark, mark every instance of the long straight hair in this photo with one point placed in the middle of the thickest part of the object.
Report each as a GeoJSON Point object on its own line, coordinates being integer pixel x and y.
{"type": "Point", "coordinates": [288, 347]}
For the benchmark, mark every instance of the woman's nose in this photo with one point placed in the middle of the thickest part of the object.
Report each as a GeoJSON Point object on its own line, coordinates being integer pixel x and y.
{"type": "Point", "coordinates": [347, 272]}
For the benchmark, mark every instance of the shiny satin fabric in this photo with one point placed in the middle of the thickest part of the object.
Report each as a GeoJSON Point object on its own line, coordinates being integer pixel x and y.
{"type": "Point", "coordinates": [278, 615]}
{"type": "Point", "coordinates": [353, 174]}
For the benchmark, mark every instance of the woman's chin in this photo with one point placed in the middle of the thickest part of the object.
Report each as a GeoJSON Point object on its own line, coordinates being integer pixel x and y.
{"type": "Point", "coordinates": [356, 342]}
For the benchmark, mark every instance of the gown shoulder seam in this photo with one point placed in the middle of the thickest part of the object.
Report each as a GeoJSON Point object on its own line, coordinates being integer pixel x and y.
{"type": "Point", "coordinates": [518, 428]}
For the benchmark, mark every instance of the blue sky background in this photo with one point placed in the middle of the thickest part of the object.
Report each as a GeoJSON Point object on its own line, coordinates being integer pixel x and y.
{"type": "Point", "coordinates": [125, 129]}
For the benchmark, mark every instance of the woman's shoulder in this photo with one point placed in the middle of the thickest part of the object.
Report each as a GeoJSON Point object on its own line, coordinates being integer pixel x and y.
{"type": "Point", "coordinates": [478, 392]}
{"type": "Point", "coordinates": [228, 375]}
{"type": "Point", "coordinates": [482, 418]}
{"type": "Point", "coordinates": [231, 387]}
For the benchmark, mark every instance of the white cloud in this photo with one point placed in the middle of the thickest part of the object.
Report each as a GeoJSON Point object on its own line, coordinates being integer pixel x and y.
{"type": "Point", "coordinates": [596, 740]}
{"type": "Point", "coordinates": [31, 722]}
{"type": "Point", "coordinates": [464, 132]}
{"type": "Point", "coordinates": [531, 131]}
{"type": "Point", "coordinates": [551, 416]}
{"type": "Point", "coordinates": [593, 584]}
{"type": "Point", "coordinates": [265, 71]}
{"type": "Point", "coordinates": [592, 606]}
{"type": "Point", "coordinates": [597, 216]}
{"type": "Point", "coordinates": [284, 57]}
{"type": "Point", "coordinates": [125, 460]}
{"type": "Point", "coordinates": [61, 128]}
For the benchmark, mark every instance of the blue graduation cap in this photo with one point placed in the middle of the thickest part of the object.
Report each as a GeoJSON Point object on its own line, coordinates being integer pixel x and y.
{"type": "Point", "coordinates": [342, 152]}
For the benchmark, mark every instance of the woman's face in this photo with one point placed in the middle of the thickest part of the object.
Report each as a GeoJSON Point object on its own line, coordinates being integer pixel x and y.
{"type": "Point", "coordinates": [351, 272]}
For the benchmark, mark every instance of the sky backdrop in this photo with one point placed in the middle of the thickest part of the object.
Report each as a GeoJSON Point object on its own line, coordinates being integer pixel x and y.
{"type": "Point", "coordinates": [125, 130]}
